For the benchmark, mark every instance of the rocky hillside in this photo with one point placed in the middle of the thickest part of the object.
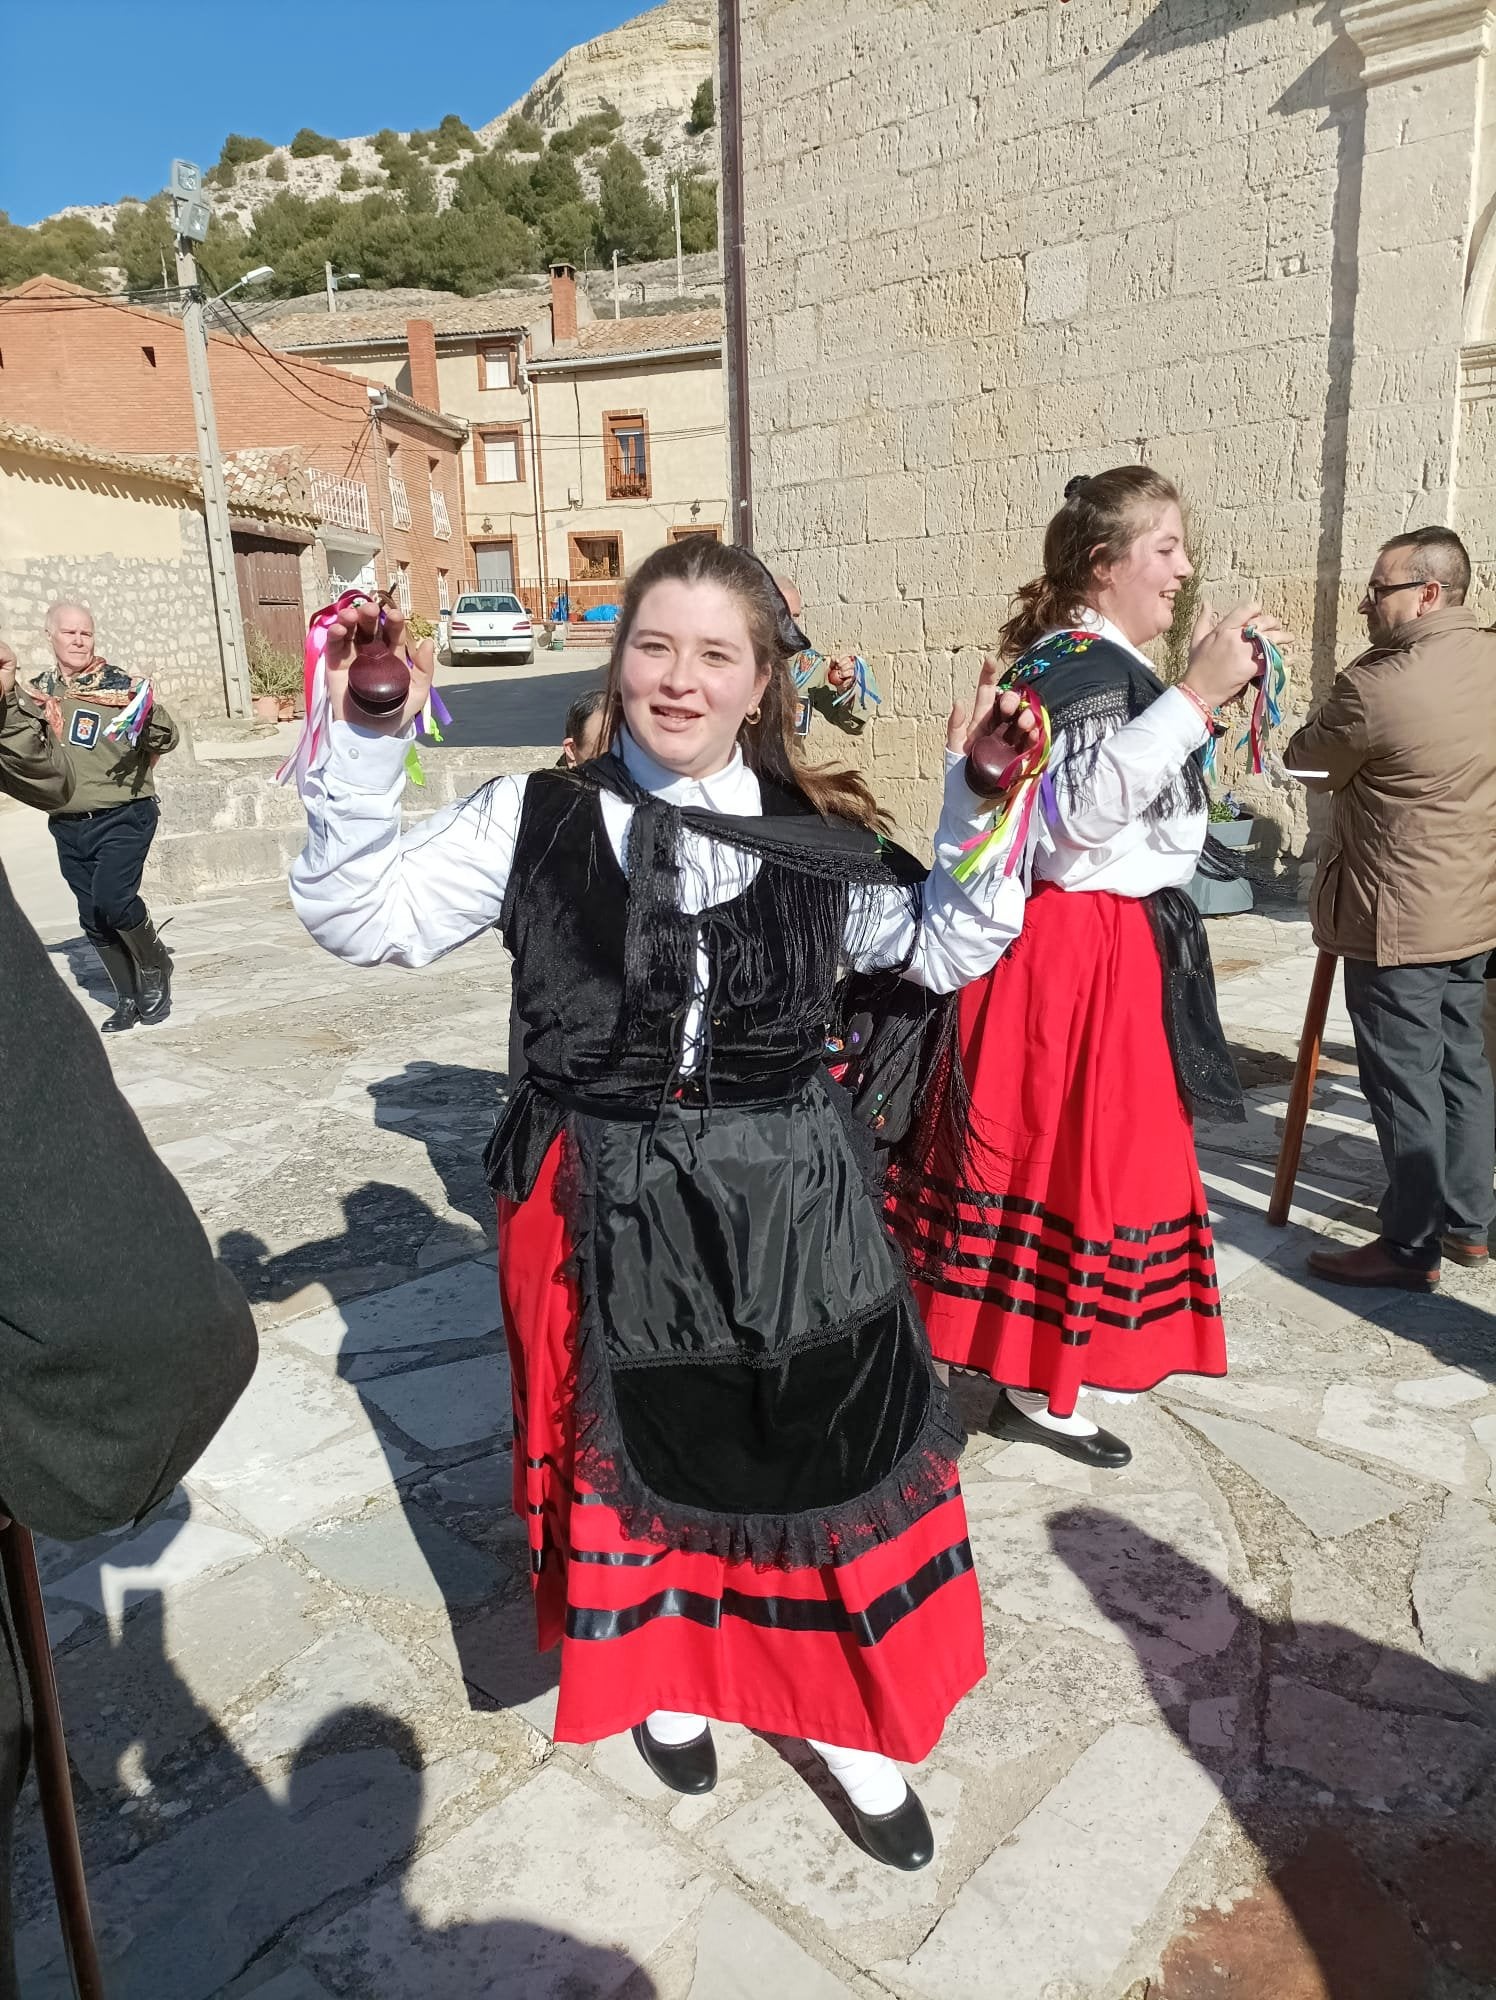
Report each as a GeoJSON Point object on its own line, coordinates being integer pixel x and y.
{"type": "Point", "coordinates": [649, 70]}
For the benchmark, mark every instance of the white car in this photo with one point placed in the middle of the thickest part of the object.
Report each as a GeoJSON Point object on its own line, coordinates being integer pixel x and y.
{"type": "Point", "coordinates": [491, 623]}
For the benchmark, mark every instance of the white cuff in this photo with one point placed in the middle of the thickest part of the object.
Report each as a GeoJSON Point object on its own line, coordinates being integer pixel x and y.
{"type": "Point", "coordinates": [1178, 721]}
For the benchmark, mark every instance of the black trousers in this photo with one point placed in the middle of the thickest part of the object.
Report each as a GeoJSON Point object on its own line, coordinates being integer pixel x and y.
{"type": "Point", "coordinates": [102, 857]}
{"type": "Point", "coordinates": [1421, 1050]}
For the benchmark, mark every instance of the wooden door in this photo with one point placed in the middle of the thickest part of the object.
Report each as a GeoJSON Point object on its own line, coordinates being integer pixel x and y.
{"type": "Point", "coordinates": [269, 574]}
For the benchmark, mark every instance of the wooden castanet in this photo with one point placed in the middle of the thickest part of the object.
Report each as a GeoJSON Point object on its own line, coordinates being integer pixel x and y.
{"type": "Point", "coordinates": [1306, 1069]}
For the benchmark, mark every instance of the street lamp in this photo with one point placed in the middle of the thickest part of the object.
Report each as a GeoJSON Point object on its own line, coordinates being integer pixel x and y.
{"type": "Point", "coordinates": [255, 277]}
{"type": "Point", "coordinates": [336, 278]}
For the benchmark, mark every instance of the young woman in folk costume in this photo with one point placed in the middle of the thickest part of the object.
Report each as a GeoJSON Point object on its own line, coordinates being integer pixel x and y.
{"type": "Point", "coordinates": [736, 1462]}
{"type": "Point", "coordinates": [1068, 1244]}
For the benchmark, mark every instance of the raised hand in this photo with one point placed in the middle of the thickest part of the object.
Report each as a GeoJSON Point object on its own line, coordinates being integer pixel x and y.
{"type": "Point", "coordinates": [362, 621]}
{"type": "Point", "coordinates": [1222, 662]}
{"type": "Point", "coordinates": [1007, 719]}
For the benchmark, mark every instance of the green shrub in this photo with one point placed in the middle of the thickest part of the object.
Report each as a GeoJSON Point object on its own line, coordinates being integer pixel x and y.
{"type": "Point", "coordinates": [651, 148]}
{"type": "Point", "coordinates": [350, 179]}
{"type": "Point", "coordinates": [276, 171]}
{"type": "Point", "coordinates": [272, 669]}
{"type": "Point", "coordinates": [703, 108]}
{"type": "Point", "coordinates": [520, 135]}
{"type": "Point", "coordinates": [309, 145]}
{"type": "Point", "coordinates": [239, 150]}
{"type": "Point", "coordinates": [419, 628]}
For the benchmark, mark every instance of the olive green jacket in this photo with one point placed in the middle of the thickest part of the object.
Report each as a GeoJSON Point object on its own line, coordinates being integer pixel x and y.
{"type": "Point", "coordinates": [32, 766]}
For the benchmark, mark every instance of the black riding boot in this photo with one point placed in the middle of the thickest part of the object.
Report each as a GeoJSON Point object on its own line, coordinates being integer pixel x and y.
{"type": "Point", "coordinates": [152, 964]}
{"type": "Point", "coordinates": [118, 963]}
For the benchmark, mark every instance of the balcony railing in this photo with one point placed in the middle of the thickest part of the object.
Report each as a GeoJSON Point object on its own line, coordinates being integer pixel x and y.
{"type": "Point", "coordinates": [624, 484]}
{"type": "Point", "coordinates": [399, 501]}
{"type": "Point", "coordinates": [440, 522]}
{"type": "Point", "coordinates": [344, 502]}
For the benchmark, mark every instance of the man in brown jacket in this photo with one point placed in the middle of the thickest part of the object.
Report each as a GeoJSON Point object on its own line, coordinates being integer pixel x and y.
{"type": "Point", "coordinates": [1406, 895]}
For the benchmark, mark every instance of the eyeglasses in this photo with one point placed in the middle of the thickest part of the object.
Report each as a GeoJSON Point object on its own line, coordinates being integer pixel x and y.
{"type": "Point", "coordinates": [1377, 591]}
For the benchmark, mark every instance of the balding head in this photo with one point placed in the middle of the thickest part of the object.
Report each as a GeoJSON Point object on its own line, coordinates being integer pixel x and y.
{"type": "Point", "coordinates": [791, 597]}
{"type": "Point", "coordinates": [70, 627]}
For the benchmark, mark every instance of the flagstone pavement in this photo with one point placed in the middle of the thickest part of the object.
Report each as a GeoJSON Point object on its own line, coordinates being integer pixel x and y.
{"type": "Point", "coordinates": [1236, 1737]}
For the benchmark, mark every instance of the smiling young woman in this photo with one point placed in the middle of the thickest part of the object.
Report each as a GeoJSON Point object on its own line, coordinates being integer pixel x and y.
{"type": "Point", "coordinates": [1067, 1244]}
{"type": "Point", "coordinates": [735, 1461]}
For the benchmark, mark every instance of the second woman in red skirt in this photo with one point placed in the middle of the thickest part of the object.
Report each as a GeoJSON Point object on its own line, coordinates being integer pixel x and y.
{"type": "Point", "coordinates": [736, 1461]}
{"type": "Point", "coordinates": [1066, 1244]}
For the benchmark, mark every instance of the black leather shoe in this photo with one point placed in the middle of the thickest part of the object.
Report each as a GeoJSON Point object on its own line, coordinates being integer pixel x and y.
{"type": "Point", "coordinates": [1103, 1449]}
{"type": "Point", "coordinates": [899, 1839]}
{"type": "Point", "coordinates": [152, 967]}
{"type": "Point", "coordinates": [685, 1767]}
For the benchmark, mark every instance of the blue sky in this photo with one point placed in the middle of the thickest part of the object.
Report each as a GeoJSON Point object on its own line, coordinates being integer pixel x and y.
{"type": "Point", "coordinates": [117, 88]}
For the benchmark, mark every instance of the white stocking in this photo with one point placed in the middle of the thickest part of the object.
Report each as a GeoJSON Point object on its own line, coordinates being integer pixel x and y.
{"type": "Point", "coordinates": [671, 1728]}
{"type": "Point", "coordinates": [1035, 1405]}
{"type": "Point", "coordinates": [872, 1782]}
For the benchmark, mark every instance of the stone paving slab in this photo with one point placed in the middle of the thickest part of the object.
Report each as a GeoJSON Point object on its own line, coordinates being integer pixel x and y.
{"type": "Point", "coordinates": [1063, 1899]}
{"type": "Point", "coordinates": [455, 1304]}
{"type": "Point", "coordinates": [554, 1893]}
{"type": "Point", "coordinates": [1328, 1497]}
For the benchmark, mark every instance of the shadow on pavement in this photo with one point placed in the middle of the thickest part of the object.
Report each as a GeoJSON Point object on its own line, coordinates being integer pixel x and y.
{"type": "Point", "coordinates": [1361, 1774]}
{"type": "Point", "coordinates": [188, 1896]}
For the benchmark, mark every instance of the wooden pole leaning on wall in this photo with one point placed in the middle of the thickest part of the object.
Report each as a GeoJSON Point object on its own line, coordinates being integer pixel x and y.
{"type": "Point", "coordinates": [23, 1588]}
{"type": "Point", "coordinates": [1301, 1096]}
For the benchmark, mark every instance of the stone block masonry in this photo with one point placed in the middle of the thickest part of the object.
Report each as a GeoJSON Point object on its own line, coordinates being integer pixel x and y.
{"type": "Point", "coordinates": [152, 616]}
{"type": "Point", "coordinates": [991, 245]}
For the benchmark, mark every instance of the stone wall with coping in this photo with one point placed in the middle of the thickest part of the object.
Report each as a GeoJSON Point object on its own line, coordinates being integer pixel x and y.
{"type": "Point", "coordinates": [993, 245]}
{"type": "Point", "coordinates": [152, 614]}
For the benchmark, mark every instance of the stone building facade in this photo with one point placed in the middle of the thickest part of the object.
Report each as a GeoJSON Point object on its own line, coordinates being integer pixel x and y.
{"type": "Point", "coordinates": [996, 242]}
{"type": "Point", "coordinates": [127, 538]}
{"type": "Point", "coordinates": [592, 440]}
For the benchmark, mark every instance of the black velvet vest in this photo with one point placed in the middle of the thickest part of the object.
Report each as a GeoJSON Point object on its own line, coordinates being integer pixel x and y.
{"type": "Point", "coordinates": [775, 951]}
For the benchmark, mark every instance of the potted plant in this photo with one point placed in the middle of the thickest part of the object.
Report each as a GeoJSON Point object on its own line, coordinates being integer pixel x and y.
{"type": "Point", "coordinates": [1232, 827]}
{"type": "Point", "coordinates": [275, 678]}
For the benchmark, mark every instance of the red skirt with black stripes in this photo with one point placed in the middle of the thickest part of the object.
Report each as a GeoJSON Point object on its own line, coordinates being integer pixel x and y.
{"type": "Point", "coordinates": [871, 1654]}
{"type": "Point", "coordinates": [1070, 1244]}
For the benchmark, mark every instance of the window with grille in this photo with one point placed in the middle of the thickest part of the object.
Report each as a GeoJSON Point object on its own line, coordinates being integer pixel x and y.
{"type": "Point", "coordinates": [596, 558]}
{"type": "Point", "coordinates": [402, 587]}
{"type": "Point", "coordinates": [443, 599]}
{"type": "Point", "coordinates": [626, 455]}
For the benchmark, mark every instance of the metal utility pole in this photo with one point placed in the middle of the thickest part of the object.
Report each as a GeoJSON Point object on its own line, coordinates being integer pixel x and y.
{"type": "Point", "coordinates": [191, 215]}
{"type": "Point", "coordinates": [680, 266]}
{"type": "Point", "coordinates": [617, 310]}
{"type": "Point", "coordinates": [332, 288]}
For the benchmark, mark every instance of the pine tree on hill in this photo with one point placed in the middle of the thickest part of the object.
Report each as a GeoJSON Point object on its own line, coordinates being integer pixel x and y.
{"type": "Point", "coordinates": [630, 220]}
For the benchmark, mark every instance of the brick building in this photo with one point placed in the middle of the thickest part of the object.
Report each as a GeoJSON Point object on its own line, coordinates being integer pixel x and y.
{"type": "Point", "coordinates": [382, 473]}
{"type": "Point", "coordinates": [996, 242]}
{"type": "Point", "coordinates": [592, 440]}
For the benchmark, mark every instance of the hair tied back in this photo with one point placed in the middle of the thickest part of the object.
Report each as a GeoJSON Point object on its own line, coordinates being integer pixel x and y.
{"type": "Point", "coordinates": [1075, 485]}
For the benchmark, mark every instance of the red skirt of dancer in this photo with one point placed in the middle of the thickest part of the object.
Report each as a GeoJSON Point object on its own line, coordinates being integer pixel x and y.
{"type": "Point", "coordinates": [872, 1654]}
{"type": "Point", "coordinates": [1071, 1245]}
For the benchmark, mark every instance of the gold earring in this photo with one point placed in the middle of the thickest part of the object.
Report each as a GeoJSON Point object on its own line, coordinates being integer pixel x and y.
{"type": "Point", "coordinates": [753, 714]}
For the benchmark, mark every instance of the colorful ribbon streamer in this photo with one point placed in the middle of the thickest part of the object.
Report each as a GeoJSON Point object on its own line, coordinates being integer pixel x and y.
{"type": "Point", "coordinates": [1023, 782]}
{"type": "Point", "coordinates": [132, 720]}
{"type": "Point", "coordinates": [1267, 703]}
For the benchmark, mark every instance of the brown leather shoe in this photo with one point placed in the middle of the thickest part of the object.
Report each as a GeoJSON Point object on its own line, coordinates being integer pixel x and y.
{"type": "Point", "coordinates": [1459, 1250]}
{"type": "Point", "coordinates": [1371, 1265]}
